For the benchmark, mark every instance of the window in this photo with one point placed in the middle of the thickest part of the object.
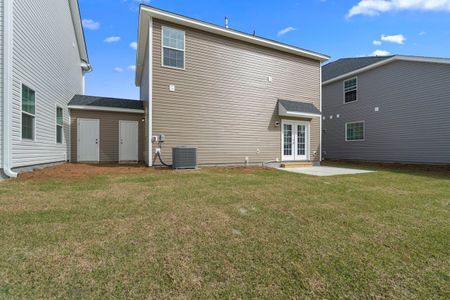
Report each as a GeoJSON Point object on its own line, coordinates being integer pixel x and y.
{"type": "Point", "coordinates": [354, 131]}
{"type": "Point", "coordinates": [350, 90]}
{"type": "Point", "coordinates": [28, 113]}
{"type": "Point", "coordinates": [173, 41]}
{"type": "Point", "coordinates": [59, 125]}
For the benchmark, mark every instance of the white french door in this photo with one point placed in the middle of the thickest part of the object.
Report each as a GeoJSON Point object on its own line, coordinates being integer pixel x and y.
{"type": "Point", "coordinates": [295, 140]}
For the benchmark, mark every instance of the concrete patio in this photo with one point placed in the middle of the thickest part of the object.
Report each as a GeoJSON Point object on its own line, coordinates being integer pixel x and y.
{"type": "Point", "coordinates": [325, 171]}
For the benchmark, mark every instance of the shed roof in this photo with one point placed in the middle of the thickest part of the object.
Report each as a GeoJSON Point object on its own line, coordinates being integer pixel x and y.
{"type": "Point", "coordinates": [93, 101]}
{"type": "Point", "coordinates": [297, 108]}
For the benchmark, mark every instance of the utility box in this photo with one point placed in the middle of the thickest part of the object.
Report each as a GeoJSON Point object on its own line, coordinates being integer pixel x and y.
{"type": "Point", "coordinates": [184, 157]}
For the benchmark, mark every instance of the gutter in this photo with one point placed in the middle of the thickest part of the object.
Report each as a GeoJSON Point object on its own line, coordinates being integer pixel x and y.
{"type": "Point", "coordinates": [7, 88]}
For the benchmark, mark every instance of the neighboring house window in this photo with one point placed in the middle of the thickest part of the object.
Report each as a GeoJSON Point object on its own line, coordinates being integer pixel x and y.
{"type": "Point", "coordinates": [28, 113]}
{"type": "Point", "coordinates": [350, 90]}
{"type": "Point", "coordinates": [59, 125]}
{"type": "Point", "coordinates": [173, 41]}
{"type": "Point", "coordinates": [354, 131]}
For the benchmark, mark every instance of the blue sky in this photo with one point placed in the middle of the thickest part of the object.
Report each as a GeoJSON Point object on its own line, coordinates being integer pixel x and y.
{"type": "Point", "coordinates": [339, 28]}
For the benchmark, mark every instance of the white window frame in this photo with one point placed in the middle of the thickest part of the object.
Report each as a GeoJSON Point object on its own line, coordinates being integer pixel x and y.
{"type": "Point", "coordinates": [162, 48]}
{"type": "Point", "coordinates": [343, 90]}
{"type": "Point", "coordinates": [62, 126]}
{"type": "Point", "coordinates": [364, 131]}
{"type": "Point", "coordinates": [27, 113]}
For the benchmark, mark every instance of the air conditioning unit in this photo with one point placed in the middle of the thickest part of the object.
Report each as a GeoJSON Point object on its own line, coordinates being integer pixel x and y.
{"type": "Point", "coordinates": [184, 157]}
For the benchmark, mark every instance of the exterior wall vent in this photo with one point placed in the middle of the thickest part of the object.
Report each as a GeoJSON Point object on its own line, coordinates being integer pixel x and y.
{"type": "Point", "coordinates": [184, 157]}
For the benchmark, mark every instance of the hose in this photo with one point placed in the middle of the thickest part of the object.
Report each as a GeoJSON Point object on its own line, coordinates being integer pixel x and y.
{"type": "Point", "coordinates": [162, 162]}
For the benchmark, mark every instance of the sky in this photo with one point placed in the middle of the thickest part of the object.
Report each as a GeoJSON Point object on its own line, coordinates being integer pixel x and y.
{"type": "Point", "coordinates": [338, 28]}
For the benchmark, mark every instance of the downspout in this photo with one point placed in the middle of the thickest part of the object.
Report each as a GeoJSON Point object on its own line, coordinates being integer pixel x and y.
{"type": "Point", "coordinates": [7, 88]}
{"type": "Point", "coordinates": [321, 113]}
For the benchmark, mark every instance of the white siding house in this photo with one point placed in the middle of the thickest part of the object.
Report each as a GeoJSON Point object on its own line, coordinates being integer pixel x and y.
{"type": "Point", "coordinates": [47, 60]}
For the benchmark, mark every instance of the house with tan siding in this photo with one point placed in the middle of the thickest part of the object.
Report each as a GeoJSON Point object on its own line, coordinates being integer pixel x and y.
{"type": "Point", "coordinates": [237, 98]}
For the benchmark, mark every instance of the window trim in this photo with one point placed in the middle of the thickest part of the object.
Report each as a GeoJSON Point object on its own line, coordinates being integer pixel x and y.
{"type": "Point", "coordinates": [162, 49]}
{"type": "Point", "coordinates": [343, 89]}
{"type": "Point", "coordinates": [364, 131]}
{"type": "Point", "coordinates": [56, 125]}
{"type": "Point", "coordinates": [22, 84]}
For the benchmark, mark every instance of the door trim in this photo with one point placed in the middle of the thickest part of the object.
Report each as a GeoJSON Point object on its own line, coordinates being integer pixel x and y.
{"type": "Point", "coordinates": [79, 120]}
{"type": "Point", "coordinates": [119, 140]}
{"type": "Point", "coordinates": [294, 124]}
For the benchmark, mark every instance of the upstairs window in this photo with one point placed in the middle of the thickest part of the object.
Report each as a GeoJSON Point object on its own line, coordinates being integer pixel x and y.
{"type": "Point", "coordinates": [173, 43]}
{"type": "Point", "coordinates": [354, 131]}
{"type": "Point", "coordinates": [28, 113]}
{"type": "Point", "coordinates": [350, 90]}
{"type": "Point", "coordinates": [59, 125]}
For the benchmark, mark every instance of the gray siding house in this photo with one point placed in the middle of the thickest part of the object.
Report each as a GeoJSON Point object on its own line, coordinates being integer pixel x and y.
{"type": "Point", "coordinates": [43, 59]}
{"type": "Point", "coordinates": [387, 109]}
{"type": "Point", "coordinates": [235, 97]}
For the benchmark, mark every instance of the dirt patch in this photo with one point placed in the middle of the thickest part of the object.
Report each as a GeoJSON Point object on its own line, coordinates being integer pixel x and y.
{"type": "Point", "coordinates": [242, 170]}
{"type": "Point", "coordinates": [72, 171]}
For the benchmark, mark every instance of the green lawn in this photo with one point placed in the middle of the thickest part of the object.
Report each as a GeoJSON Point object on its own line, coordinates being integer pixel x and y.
{"type": "Point", "coordinates": [226, 233]}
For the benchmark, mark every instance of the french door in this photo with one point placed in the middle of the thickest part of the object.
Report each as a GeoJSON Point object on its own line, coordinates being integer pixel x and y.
{"type": "Point", "coordinates": [295, 140]}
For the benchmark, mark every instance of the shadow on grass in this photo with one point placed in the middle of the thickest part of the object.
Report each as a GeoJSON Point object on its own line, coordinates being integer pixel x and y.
{"type": "Point", "coordinates": [431, 171]}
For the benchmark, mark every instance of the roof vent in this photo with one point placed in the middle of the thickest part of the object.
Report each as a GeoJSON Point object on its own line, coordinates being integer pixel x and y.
{"type": "Point", "coordinates": [226, 22]}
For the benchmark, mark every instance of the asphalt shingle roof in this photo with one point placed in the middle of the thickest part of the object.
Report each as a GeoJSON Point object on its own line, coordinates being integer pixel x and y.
{"type": "Point", "coordinates": [301, 107]}
{"type": "Point", "coordinates": [347, 65]}
{"type": "Point", "coordinates": [106, 102]}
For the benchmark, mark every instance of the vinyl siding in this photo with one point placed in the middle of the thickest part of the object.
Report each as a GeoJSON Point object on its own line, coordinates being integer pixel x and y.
{"type": "Point", "coordinates": [1, 80]}
{"type": "Point", "coordinates": [223, 103]}
{"type": "Point", "coordinates": [412, 124]}
{"type": "Point", "coordinates": [46, 59]}
{"type": "Point", "coordinates": [109, 132]}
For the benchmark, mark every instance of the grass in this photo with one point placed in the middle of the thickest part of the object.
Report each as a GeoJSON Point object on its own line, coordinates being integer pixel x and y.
{"type": "Point", "coordinates": [226, 233]}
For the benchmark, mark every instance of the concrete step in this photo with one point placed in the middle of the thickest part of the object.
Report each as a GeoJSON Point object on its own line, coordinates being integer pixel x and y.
{"type": "Point", "coordinates": [305, 164]}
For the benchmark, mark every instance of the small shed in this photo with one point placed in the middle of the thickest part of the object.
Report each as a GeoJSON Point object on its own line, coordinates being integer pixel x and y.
{"type": "Point", "coordinates": [106, 130]}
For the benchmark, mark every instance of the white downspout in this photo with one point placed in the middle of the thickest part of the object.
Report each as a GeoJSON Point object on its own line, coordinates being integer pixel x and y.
{"type": "Point", "coordinates": [321, 117]}
{"type": "Point", "coordinates": [150, 93]}
{"type": "Point", "coordinates": [7, 88]}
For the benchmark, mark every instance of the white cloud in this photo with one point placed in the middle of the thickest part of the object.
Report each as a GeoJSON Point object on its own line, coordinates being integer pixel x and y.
{"type": "Point", "coordinates": [90, 24]}
{"type": "Point", "coordinates": [118, 69]}
{"type": "Point", "coordinates": [376, 43]}
{"type": "Point", "coordinates": [134, 45]}
{"type": "Point", "coordinates": [131, 68]}
{"type": "Point", "coordinates": [422, 33]}
{"type": "Point", "coordinates": [396, 39]}
{"type": "Point", "coordinates": [112, 39]}
{"type": "Point", "coordinates": [380, 53]}
{"type": "Point", "coordinates": [286, 30]}
{"type": "Point", "coordinates": [377, 7]}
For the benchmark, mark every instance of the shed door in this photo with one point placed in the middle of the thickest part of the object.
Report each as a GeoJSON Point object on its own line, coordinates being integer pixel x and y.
{"type": "Point", "coordinates": [88, 149]}
{"type": "Point", "coordinates": [128, 141]}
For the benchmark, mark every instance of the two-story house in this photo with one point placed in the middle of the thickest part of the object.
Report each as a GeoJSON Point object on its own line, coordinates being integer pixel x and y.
{"type": "Point", "coordinates": [387, 109]}
{"type": "Point", "coordinates": [43, 59]}
{"type": "Point", "coordinates": [236, 97]}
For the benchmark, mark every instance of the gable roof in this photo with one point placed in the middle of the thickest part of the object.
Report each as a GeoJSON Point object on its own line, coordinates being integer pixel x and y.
{"type": "Point", "coordinates": [91, 102]}
{"type": "Point", "coordinates": [146, 12]}
{"type": "Point", "coordinates": [79, 32]}
{"type": "Point", "coordinates": [346, 67]}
